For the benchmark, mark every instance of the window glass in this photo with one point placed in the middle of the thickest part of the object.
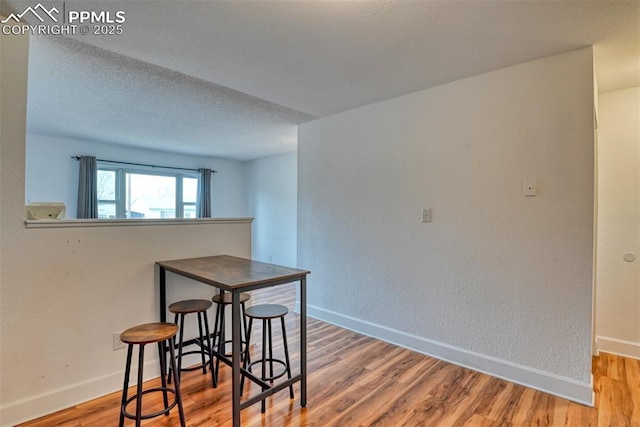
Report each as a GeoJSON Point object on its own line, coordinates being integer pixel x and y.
{"type": "Point", "coordinates": [151, 196]}
{"type": "Point", "coordinates": [106, 194]}
{"type": "Point", "coordinates": [189, 189]}
{"type": "Point", "coordinates": [106, 185]}
{"type": "Point", "coordinates": [189, 211]}
{"type": "Point", "coordinates": [133, 193]}
{"type": "Point", "coordinates": [189, 196]}
{"type": "Point", "coordinates": [106, 210]}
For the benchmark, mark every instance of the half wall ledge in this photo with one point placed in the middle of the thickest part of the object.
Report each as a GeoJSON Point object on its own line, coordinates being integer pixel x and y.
{"type": "Point", "coordinates": [74, 223]}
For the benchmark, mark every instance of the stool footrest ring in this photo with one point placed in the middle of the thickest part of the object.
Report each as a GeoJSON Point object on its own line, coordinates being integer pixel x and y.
{"type": "Point", "coordinates": [269, 360]}
{"type": "Point", "coordinates": [195, 367]}
{"type": "Point", "coordinates": [243, 347]}
{"type": "Point", "coordinates": [154, 414]}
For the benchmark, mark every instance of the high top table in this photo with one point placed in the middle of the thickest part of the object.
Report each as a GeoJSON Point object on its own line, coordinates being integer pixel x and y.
{"type": "Point", "coordinates": [236, 275]}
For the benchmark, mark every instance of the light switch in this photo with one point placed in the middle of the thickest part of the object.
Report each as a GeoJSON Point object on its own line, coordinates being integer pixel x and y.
{"type": "Point", "coordinates": [426, 215]}
{"type": "Point", "coordinates": [529, 187]}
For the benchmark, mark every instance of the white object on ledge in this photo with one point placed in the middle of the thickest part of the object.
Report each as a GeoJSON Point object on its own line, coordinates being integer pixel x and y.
{"type": "Point", "coordinates": [45, 210]}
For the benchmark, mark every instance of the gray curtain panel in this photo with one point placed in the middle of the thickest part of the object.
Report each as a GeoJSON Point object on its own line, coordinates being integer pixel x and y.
{"type": "Point", "coordinates": [88, 188]}
{"type": "Point", "coordinates": [203, 202]}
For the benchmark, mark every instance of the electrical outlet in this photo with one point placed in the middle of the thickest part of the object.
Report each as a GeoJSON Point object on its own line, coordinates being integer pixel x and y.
{"type": "Point", "coordinates": [117, 344]}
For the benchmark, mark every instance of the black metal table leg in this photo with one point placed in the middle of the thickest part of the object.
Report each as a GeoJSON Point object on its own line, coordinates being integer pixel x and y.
{"type": "Point", "coordinates": [235, 355]}
{"type": "Point", "coordinates": [303, 341]}
{"type": "Point", "coordinates": [163, 295]}
{"type": "Point", "coordinates": [163, 312]}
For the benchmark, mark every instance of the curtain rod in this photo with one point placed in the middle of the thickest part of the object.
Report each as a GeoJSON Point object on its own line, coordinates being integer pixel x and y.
{"type": "Point", "coordinates": [143, 164]}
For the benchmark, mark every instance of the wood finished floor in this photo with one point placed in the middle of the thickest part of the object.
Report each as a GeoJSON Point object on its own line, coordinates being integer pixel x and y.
{"type": "Point", "coordinates": [359, 381]}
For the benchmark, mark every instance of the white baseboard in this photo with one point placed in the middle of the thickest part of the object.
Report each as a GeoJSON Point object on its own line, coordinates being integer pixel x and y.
{"type": "Point", "coordinates": [619, 347]}
{"type": "Point", "coordinates": [568, 388]}
{"type": "Point", "coordinates": [63, 398]}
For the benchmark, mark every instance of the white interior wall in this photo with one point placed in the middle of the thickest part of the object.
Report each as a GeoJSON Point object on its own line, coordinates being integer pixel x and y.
{"type": "Point", "coordinates": [618, 281]}
{"type": "Point", "coordinates": [498, 282]}
{"type": "Point", "coordinates": [52, 176]}
{"type": "Point", "coordinates": [64, 291]}
{"type": "Point", "coordinates": [271, 191]}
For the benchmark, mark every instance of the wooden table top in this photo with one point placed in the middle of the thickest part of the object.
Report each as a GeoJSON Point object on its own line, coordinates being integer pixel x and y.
{"type": "Point", "coordinates": [229, 272]}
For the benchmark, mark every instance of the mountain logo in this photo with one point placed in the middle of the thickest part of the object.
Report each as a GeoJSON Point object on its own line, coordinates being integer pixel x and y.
{"type": "Point", "coordinates": [34, 11]}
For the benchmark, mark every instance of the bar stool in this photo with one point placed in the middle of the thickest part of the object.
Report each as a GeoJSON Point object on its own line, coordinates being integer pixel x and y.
{"type": "Point", "coordinates": [223, 299]}
{"type": "Point", "coordinates": [180, 310]}
{"type": "Point", "coordinates": [268, 312]}
{"type": "Point", "coordinates": [141, 335]}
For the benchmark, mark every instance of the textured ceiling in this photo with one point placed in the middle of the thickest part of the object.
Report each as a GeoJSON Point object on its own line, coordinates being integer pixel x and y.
{"type": "Point", "coordinates": [79, 91]}
{"type": "Point", "coordinates": [233, 78]}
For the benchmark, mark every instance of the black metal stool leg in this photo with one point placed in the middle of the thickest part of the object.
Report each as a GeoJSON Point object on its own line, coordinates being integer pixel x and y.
{"type": "Point", "coordinates": [204, 363]}
{"type": "Point", "coordinates": [182, 316]}
{"type": "Point", "coordinates": [270, 351]}
{"type": "Point", "coordinates": [214, 381]}
{"type": "Point", "coordinates": [215, 336]}
{"type": "Point", "coordinates": [139, 387]}
{"type": "Point", "coordinates": [125, 388]}
{"type": "Point", "coordinates": [176, 383]}
{"type": "Point", "coordinates": [264, 361]}
{"type": "Point", "coordinates": [162, 356]}
{"type": "Point", "coordinates": [169, 375]}
{"type": "Point", "coordinates": [246, 364]}
{"type": "Point", "coordinates": [286, 355]}
{"type": "Point", "coordinates": [246, 353]}
{"type": "Point", "coordinates": [221, 338]}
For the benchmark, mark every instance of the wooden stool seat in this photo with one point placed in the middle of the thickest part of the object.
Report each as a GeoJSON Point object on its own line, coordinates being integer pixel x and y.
{"type": "Point", "coordinates": [149, 333]}
{"type": "Point", "coordinates": [267, 311]}
{"type": "Point", "coordinates": [226, 298]}
{"type": "Point", "coordinates": [190, 306]}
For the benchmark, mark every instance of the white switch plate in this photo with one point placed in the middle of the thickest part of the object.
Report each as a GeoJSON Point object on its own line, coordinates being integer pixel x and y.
{"type": "Point", "coordinates": [426, 215]}
{"type": "Point", "coordinates": [529, 187]}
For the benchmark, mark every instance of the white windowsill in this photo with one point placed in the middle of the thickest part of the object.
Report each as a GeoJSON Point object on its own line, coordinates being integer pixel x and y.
{"type": "Point", "coordinates": [70, 223]}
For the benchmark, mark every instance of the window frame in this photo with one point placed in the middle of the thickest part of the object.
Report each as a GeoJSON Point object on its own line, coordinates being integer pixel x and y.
{"type": "Point", "coordinates": [121, 188]}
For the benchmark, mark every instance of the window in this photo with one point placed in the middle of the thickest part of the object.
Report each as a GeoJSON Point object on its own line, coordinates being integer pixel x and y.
{"type": "Point", "coordinates": [140, 193]}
